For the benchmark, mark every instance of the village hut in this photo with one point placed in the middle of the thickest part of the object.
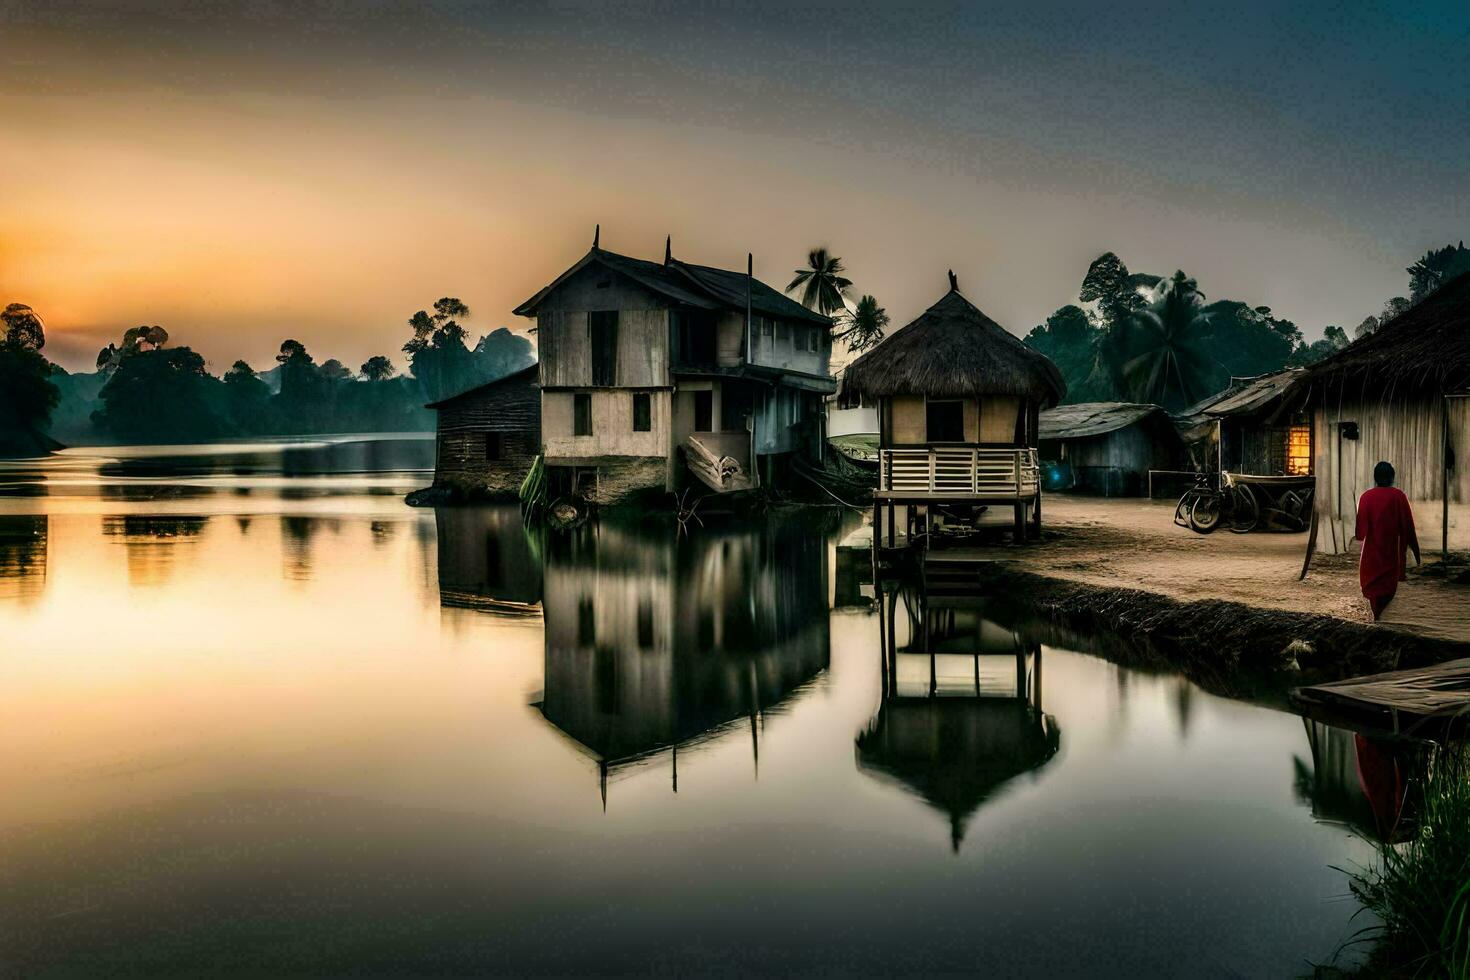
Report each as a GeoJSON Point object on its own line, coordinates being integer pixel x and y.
{"type": "Point", "coordinates": [1243, 429]}
{"type": "Point", "coordinates": [1107, 448]}
{"type": "Point", "coordinates": [488, 437]}
{"type": "Point", "coordinates": [1402, 395]}
{"type": "Point", "coordinates": [958, 398]}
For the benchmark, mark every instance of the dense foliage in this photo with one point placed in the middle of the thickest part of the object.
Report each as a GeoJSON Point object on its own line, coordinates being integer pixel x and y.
{"type": "Point", "coordinates": [27, 395]}
{"type": "Point", "coordinates": [1139, 337]}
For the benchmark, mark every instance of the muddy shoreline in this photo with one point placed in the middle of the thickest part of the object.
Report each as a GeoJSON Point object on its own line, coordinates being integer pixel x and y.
{"type": "Point", "coordinates": [1229, 648]}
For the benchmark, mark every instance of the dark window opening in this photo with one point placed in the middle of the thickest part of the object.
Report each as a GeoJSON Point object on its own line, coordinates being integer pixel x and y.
{"type": "Point", "coordinates": [605, 677]}
{"type": "Point", "coordinates": [783, 331]}
{"type": "Point", "coordinates": [494, 449]}
{"type": "Point", "coordinates": [586, 622]}
{"type": "Point", "coordinates": [704, 411]}
{"type": "Point", "coordinates": [736, 404]}
{"type": "Point", "coordinates": [584, 483]}
{"type": "Point", "coordinates": [694, 338]}
{"type": "Point", "coordinates": [581, 414]}
{"type": "Point", "coordinates": [945, 421]}
{"type": "Point", "coordinates": [642, 411]}
{"type": "Point", "coordinates": [603, 330]}
{"type": "Point", "coordinates": [493, 578]}
{"type": "Point", "coordinates": [645, 624]}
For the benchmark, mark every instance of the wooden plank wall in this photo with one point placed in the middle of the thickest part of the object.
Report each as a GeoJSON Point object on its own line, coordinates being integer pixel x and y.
{"type": "Point", "coordinates": [1408, 435]}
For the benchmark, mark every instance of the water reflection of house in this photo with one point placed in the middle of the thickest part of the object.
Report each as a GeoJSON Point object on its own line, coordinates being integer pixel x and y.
{"type": "Point", "coordinates": [487, 559]}
{"type": "Point", "coordinates": [961, 713]}
{"type": "Point", "coordinates": [23, 548]}
{"type": "Point", "coordinates": [655, 641]}
{"type": "Point", "coordinates": [1358, 780]}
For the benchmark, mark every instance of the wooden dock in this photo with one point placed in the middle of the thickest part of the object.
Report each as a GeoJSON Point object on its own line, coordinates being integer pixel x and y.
{"type": "Point", "coordinates": [1426, 701]}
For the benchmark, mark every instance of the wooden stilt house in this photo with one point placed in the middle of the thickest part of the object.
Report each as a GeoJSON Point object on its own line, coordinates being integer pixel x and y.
{"type": "Point", "coordinates": [958, 399]}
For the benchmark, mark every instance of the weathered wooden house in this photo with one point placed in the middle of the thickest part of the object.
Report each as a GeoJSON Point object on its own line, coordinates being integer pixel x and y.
{"type": "Point", "coordinates": [1402, 395]}
{"type": "Point", "coordinates": [958, 399]}
{"type": "Point", "coordinates": [645, 363]}
{"type": "Point", "coordinates": [1244, 430]}
{"type": "Point", "coordinates": [488, 437]}
{"type": "Point", "coordinates": [1108, 448]}
{"type": "Point", "coordinates": [659, 643]}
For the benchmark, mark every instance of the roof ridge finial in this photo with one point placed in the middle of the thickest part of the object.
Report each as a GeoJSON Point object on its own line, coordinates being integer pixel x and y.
{"type": "Point", "coordinates": [668, 249]}
{"type": "Point", "coordinates": [954, 282]}
{"type": "Point", "coordinates": [596, 235]}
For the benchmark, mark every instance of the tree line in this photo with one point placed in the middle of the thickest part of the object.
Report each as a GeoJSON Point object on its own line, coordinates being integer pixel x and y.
{"type": "Point", "coordinates": [145, 389]}
{"type": "Point", "coordinates": [1145, 338]}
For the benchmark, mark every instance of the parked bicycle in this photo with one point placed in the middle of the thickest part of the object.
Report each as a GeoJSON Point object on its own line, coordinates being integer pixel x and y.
{"type": "Point", "coordinates": [1244, 503]}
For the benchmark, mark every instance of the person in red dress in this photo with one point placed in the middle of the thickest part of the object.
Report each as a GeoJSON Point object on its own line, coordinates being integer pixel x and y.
{"type": "Point", "coordinates": [1386, 528]}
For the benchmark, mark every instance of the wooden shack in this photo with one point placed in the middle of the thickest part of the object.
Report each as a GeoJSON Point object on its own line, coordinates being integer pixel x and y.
{"type": "Point", "coordinates": [1108, 448]}
{"type": "Point", "coordinates": [1243, 429]}
{"type": "Point", "coordinates": [958, 398]}
{"type": "Point", "coordinates": [1402, 395]}
{"type": "Point", "coordinates": [488, 437]}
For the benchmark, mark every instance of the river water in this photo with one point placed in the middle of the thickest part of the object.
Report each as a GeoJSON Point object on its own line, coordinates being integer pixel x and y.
{"type": "Point", "coordinates": [261, 717]}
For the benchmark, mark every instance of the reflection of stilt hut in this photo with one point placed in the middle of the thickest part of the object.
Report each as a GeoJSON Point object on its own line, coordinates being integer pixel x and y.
{"type": "Point", "coordinates": [661, 642]}
{"type": "Point", "coordinates": [958, 398]}
{"type": "Point", "coordinates": [961, 713]}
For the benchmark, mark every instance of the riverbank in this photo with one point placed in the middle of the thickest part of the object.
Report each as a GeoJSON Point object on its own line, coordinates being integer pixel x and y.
{"type": "Point", "coordinates": [1222, 606]}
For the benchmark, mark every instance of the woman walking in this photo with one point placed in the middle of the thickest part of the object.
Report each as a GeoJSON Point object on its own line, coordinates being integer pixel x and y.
{"type": "Point", "coordinates": [1386, 528]}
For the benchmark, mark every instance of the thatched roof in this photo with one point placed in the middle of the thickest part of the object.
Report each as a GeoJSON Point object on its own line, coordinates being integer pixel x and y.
{"type": "Point", "coordinates": [953, 350]}
{"type": "Point", "coordinates": [1087, 419]}
{"type": "Point", "coordinates": [1426, 348]}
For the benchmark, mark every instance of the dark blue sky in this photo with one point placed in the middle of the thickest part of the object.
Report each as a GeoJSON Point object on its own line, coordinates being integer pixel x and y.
{"type": "Point", "coordinates": [1292, 156]}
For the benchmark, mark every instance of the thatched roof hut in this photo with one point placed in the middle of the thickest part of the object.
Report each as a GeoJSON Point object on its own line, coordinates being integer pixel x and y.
{"type": "Point", "coordinates": [953, 350]}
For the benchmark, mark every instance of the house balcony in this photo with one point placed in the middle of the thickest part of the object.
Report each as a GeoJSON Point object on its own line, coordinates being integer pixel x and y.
{"type": "Point", "coordinates": [958, 473]}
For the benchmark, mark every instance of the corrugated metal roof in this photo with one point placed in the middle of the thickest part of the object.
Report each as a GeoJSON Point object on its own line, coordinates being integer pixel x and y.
{"type": "Point", "coordinates": [1256, 395]}
{"type": "Point", "coordinates": [1092, 419]}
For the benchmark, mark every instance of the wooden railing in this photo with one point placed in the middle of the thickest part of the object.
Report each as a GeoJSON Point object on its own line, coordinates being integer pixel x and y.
{"type": "Point", "coordinates": [960, 471]}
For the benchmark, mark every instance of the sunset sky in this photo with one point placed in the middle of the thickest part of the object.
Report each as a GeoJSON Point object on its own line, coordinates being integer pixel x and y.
{"type": "Point", "coordinates": [244, 173]}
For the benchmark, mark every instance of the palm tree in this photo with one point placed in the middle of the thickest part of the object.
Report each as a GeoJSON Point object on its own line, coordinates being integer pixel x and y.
{"type": "Point", "coordinates": [821, 283]}
{"type": "Point", "coordinates": [865, 326]}
{"type": "Point", "coordinates": [1158, 354]}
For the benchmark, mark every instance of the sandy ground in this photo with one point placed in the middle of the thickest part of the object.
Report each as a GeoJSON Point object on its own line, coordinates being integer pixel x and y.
{"type": "Point", "coordinates": [1135, 544]}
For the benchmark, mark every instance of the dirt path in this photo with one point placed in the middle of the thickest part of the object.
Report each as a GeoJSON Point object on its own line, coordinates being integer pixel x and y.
{"type": "Point", "coordinates": [1134, 544]}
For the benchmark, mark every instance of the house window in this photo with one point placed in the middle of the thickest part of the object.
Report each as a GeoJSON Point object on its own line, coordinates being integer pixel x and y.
{"type": "Point", "coordinates": [493, 447]}
{"type": "Point", "coordinates": [783, 332]}
{"type": "Point", "coordinates": [813, 341]}
{"type": "Point", "coordinates": [704, 411]}
{"type": "Point", "coordinates": [645, 624]}
{"type": "Point", "coordinates": [582, 414]}
{"type": "Point", "coordinates": [945, 421]}
{"type": "Point", "coordinates": [642, 411]}
{"type": "Point", "coordinates": [1299, 450]}
{"type": "Point", "coordinates": [603, 331]}
{"type": "Point", "coordinates": [768, 332]}
{"type": "Point", "coordinates": [586, 622]}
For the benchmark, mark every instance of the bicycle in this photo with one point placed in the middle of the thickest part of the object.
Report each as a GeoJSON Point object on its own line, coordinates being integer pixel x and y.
{"type": "Point", "coordinates": [1204, 506]}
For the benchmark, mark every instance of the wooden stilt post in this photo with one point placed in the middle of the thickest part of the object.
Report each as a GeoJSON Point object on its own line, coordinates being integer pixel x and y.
{"type": "Point", "coordinates": [1020, 523]}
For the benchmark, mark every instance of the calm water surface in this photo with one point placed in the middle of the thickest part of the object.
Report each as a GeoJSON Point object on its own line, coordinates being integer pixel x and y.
{"type": "Point", "coordinates": [261, 717]}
